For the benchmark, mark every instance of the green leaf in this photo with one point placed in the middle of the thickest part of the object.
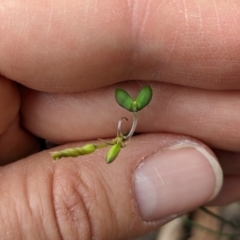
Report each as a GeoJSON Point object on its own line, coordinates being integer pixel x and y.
{"type": "Point", "coordinates": [144, 97]}
{"type": "Point", "coordinates": [113, 152]}
{"type": "Point", "coordinates": [124, 99]}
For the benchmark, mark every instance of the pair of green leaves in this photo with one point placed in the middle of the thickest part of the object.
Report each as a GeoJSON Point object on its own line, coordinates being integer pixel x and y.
{"type": "Point", "coordinates": [144, 97]}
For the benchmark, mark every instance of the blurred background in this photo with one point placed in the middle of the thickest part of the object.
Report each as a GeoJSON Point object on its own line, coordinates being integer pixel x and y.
{"type": "Point", "coordinates": [201, 225]}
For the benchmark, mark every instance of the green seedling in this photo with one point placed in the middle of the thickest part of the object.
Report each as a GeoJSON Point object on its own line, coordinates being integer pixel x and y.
{"type": "Point", "coordinates": [144, 97]}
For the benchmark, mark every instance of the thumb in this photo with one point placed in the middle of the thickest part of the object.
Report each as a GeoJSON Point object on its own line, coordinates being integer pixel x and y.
{"type": "Point", "coordinates": [154, 179]}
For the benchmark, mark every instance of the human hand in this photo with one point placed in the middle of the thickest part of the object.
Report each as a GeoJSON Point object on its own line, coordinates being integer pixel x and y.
{"type": "Point", "coordinates": [61, 50]}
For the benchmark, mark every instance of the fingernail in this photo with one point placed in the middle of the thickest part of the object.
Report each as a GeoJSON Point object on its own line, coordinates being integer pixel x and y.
{"type": "Point", "coordinates": [176, 180]}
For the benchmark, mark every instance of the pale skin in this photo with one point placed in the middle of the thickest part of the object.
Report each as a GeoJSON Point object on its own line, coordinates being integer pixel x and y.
{"type": "Point", "coordinates": [188, 51]}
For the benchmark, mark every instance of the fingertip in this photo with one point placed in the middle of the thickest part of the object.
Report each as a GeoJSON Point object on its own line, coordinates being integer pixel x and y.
{"type": "Point", "coordinates": [175, 180]}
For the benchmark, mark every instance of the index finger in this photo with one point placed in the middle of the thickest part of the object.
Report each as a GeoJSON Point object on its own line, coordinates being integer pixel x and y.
{"type": "Point", "coordinates": [58, 47]}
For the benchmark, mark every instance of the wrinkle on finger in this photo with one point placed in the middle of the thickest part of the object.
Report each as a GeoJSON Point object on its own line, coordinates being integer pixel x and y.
{"type": "Point", "coordinates": [9, 103]}
{"type": "Point", "coordinates": [49, 47]}
{"type": "Point", "coordinates": [55, 46]}
{"type": "Point", "coordinates": [191, 43]}
{"type": "Point", "coordinates": [17, 143]}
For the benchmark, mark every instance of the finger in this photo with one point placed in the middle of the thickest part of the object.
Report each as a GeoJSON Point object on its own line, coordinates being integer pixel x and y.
{"type": "Point", "coordinates": [211, 116]}
{"type": "Point", "coordinates": [65, 48]}
{"type": "Point", "coordinates": [84, 198]}
{"type": "Point", "coordinates": [9, 104]}
{"type": "Point", "coordinates": [15, 142]}
{"type": "Point", "coordinates": [229, 161]}
{"type": "Point", "coordinates": [229, 192]}
{"type": "Point", "coordinates": [230, 164]}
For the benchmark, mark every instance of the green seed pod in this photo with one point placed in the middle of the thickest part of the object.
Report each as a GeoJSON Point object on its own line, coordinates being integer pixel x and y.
{"type": "Point", "coordinates": [123, 99]}
{"type": "Point", "coordinates": [144, 97]}
{"type": "Point", "coordinates": [113, 152]}
{"type": "Point", "coordinates": [74, 152]}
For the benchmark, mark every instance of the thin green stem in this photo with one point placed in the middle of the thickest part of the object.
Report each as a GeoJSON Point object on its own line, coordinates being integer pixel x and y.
{"type": "Point", "coordinates": [232, 224]}
{"type": "Point", "coordinates": [103, 145]}
{"type": "Point", "coordinates": [193, 223]}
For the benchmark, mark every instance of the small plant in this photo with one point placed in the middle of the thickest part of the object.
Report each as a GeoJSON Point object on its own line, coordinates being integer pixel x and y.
{"type": "Point", "coordinates": [124, 100]}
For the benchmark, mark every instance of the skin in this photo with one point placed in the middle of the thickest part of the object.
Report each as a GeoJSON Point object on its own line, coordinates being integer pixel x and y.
{"type": "Point", "coordinates": [60, 64]}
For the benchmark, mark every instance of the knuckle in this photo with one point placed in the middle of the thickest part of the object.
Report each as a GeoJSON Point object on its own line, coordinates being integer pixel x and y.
{"type": "Point", "coordinates": [81, 203]}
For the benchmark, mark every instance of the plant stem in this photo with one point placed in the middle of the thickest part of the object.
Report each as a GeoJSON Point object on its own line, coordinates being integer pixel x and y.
{"type": "Point", "coordinates": [103, 145]}
{"type": "Point", "coordinates": [119, 133]}
{"type": "Point", "coordinates": [134, 125]}
{"type": "Point", "coordinates": [232, 224]}
{"type": "Point", "coordinates": [193, 223]}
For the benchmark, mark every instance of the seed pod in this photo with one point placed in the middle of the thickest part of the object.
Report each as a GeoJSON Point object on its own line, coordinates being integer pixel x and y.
{"type": "Point", "coordinates": [113, 152]}
{"type": "Point", "coordinates": [123, 99]}
{"type": "Point", "coordinates": [74, 152]}
{"type": "Point", "coordinates": [144, 97]}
